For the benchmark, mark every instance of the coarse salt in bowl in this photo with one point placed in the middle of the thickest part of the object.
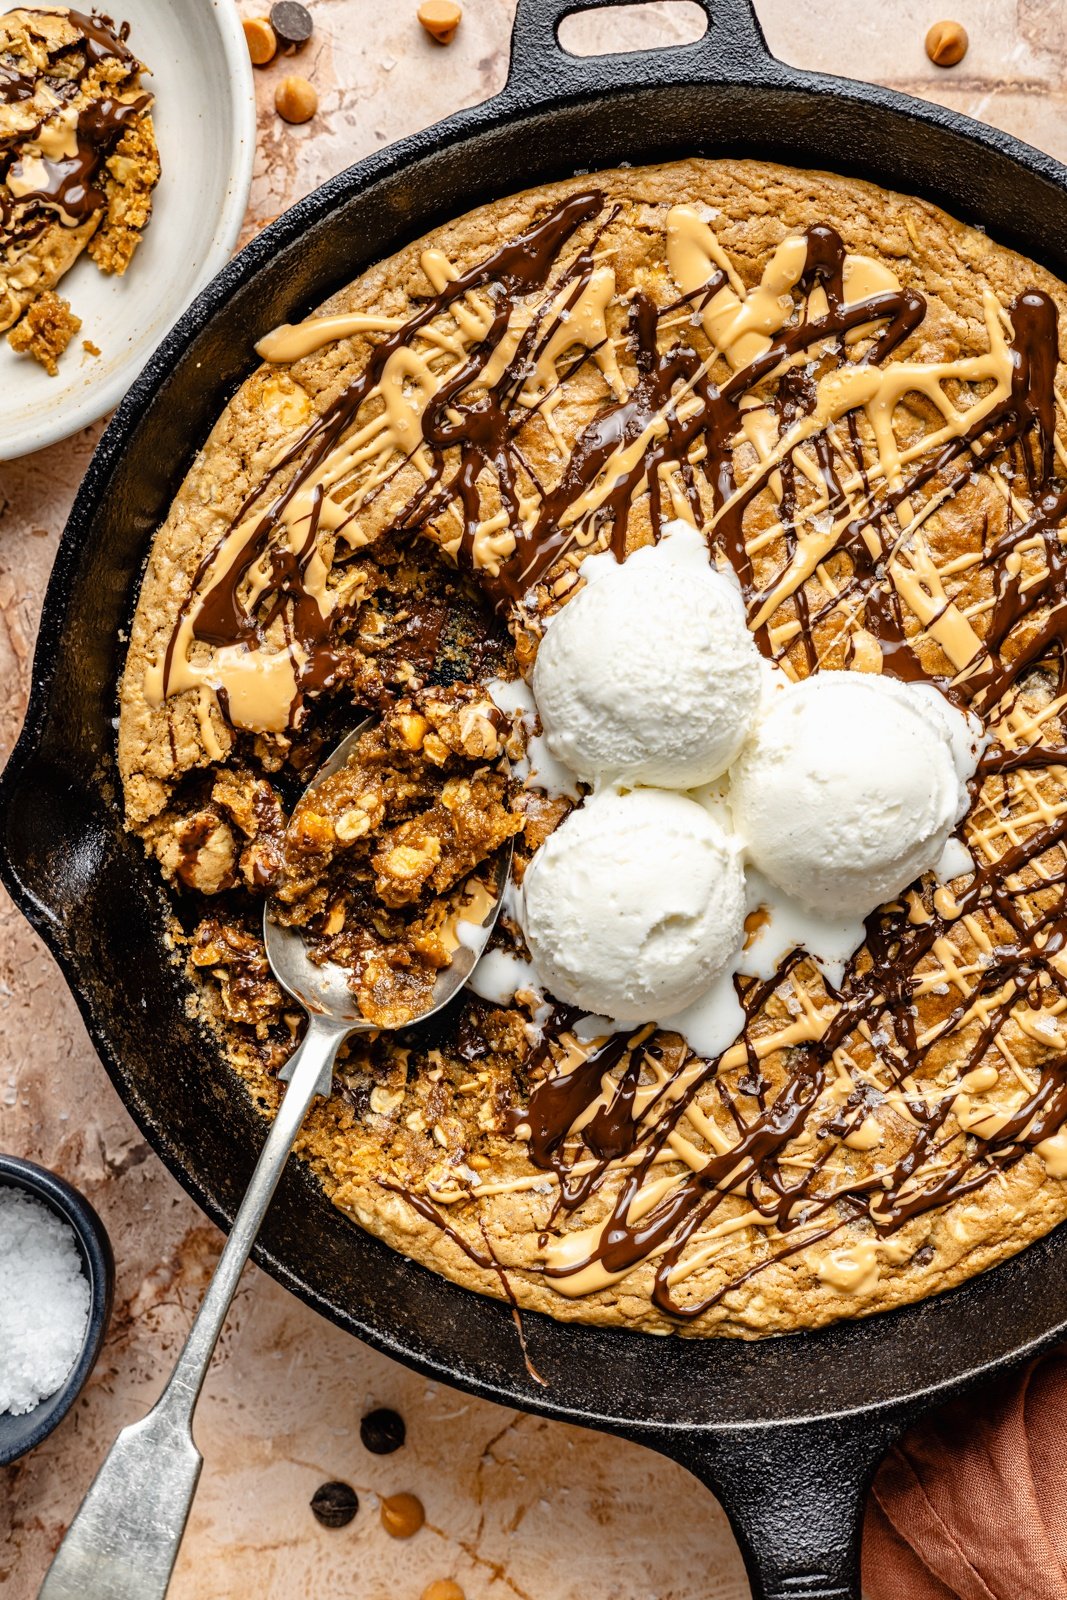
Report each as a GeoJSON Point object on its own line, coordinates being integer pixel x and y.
{"type": "Point", "coordinates": [56, 1278]}
{"type": "Point", "coordinates": [44, 1301]}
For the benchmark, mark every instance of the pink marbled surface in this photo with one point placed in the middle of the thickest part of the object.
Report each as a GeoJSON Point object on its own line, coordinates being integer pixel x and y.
{"type": "Point", "coordinates": [516, 1507]}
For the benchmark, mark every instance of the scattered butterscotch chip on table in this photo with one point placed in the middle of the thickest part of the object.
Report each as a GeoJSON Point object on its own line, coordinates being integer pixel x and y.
{"type": "Point", "coordinates": [45, 330]}
{"type": "Point", "coordinates": [295, 99]}
{"type": "Point", "coordinates": [402, 1515]}
{"type": "Point", "coordinates": [946, 43]}
{"type": "Point", "coordinates": [441, 18]}
{"type": "Point", "coordinates": [261, 40]}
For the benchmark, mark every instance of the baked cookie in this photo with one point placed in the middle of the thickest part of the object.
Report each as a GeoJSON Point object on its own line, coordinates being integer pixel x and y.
{"type": "Point", "coordinates": [858, 400]}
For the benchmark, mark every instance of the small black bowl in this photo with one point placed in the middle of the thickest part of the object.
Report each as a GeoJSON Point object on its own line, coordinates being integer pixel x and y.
{"type": "Point", "coordinates": [19, 1434]}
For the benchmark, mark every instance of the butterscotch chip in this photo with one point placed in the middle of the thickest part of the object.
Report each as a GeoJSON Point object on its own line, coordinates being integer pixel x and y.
{"type": "Point", "coordinates": [443, 1589]}
{"type": "Point", "coordinates": [261, 40]}
{"type": "Point", "coordinates": [45, 331]}
{"type": "Point", "coordinates": [402, 1515]}
{"type": "Point", "coordinates": [311, 831]}
{"type": "Point", "coordinates": [295, 99]}
{"type": "Point", "coordinates": [441, 18]}
{"type": "Point", "coordinates": [946, 43]}
{"type": "Point", "coordinates": [413, 730]}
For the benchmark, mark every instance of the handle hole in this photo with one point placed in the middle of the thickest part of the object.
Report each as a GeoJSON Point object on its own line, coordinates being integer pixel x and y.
{"type": "Point", "coordinates": [611, 31]}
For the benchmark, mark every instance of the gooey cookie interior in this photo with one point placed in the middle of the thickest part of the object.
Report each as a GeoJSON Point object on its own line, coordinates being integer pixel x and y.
{"type": "Point", "coordinates": [857, 400]}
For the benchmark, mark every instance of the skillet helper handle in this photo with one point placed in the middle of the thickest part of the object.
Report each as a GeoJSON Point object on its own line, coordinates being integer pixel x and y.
{"type": "Point", "coordinates": [125, 1537]}
{"type": "Point", "coordinates": [794, 1495]}
{"type": "Point", "coordinates": [733, 48]}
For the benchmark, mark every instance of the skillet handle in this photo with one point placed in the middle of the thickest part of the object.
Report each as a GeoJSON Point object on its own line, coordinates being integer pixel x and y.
{"type": "Point", "coordinates": [733, 50]}
{"type": "Point", "coordinates": [794, 1495]}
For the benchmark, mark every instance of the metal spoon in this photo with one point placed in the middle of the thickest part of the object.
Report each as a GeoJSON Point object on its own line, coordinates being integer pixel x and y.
{"type": "Point", "coordinates": [124, 1539]}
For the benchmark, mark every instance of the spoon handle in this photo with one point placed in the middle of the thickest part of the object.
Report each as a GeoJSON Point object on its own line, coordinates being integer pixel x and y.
{"type": "Point", "coordinates": [124, 1539]}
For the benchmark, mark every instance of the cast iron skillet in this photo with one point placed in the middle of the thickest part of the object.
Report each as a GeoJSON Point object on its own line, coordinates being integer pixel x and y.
{"type": "Point", "coordinates": [786, 1432]}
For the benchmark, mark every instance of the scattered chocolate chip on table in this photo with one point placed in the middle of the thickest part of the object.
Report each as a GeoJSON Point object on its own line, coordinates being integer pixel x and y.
{"type": "Point", "coordinates": [335, 1504]}
{"type": "Point", "coordinates": [292, 24]}
{"type": "Point", "coordinates": [382, 1431]}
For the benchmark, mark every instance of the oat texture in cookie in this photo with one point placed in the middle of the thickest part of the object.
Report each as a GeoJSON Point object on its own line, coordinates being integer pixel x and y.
{"type": "Point", "coordinates": [859, 403]}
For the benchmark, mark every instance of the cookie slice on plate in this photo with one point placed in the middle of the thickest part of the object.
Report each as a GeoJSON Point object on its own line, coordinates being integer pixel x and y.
{"type": "Point", "coordinates": [78, 160]}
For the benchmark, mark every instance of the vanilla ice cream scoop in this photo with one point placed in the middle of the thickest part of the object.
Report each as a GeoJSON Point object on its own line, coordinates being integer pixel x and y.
{"type": "Point", "coordinates": [850, 788]}
{"type": "Point", "coordinates": [634, 904]}
{"type": "Point", "coordinates": [649, 675]}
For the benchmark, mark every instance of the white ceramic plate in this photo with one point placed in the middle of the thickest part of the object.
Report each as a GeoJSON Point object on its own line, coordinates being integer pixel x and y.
{"type": "Point", "coordinates": [205, 118]}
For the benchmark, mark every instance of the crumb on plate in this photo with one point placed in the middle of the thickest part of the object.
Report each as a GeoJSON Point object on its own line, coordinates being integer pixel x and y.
{"type": "Point", "coordinates": [45, 330]}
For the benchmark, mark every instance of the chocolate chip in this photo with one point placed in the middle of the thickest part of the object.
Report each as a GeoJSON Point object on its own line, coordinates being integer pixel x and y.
{"type": "Point", "coordinates": [382, 1431]}
{"type": "Point", "coordinates": [292, 23]}
{"type": "Point", "coordinates": [335, 1504]}
{"type": "Point", "coordinates": [471, 1043]}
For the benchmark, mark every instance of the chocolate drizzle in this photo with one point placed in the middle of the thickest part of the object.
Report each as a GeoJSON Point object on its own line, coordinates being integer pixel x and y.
{"type": "Point", "coordinates": [14, 86]}
{"type": "Point", "coordinates": [602, 1122]}
{"type": "Point", "coordinates": [483, 1257]}
{"type": "Point", "coordinates": [933, 1168]}
{"type": "Point", "coordinates": [472, 435]}
{"type": "Point", "coordinates": [517, 268]}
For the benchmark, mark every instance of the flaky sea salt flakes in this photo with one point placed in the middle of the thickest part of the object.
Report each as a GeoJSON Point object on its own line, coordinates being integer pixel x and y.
{"type": "Point", "coordinates": [44, 1301]}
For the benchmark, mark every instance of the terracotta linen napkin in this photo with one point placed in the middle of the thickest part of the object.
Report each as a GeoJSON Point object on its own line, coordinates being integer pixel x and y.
{"type": "Point", "coordinates": [972, 1503]}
